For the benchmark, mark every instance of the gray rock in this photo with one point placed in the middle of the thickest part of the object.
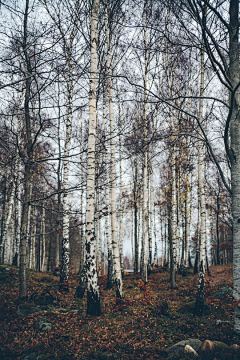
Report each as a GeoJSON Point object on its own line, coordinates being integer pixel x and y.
{"type": "Point", "coordinates": [213, 349]}
{"type": "Point", "coordinates": [74, 311]}
{"type": "Point", "coordinates": [224, 293]}
{"type": "Point", "coordinates": [180, 346]}
{"type": "Point", "coordinates": [61, 310]}
{"type": "Point", "coordinates": [27, 309]}
{"type": "Point", "coordinates": [190, 350]}
{"type": "Point", "coordinates": [219, 323]}
{"type": "Point", "coordinates": [43, 324]}
{"type": "Point", "coordinates": [43, 298]}
{"type": "Point", "coordinates": [34, 356]}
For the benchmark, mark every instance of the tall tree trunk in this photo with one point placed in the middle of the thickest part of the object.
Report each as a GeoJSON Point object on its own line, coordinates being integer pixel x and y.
{"type": "Point", "coordinates": [187, 223]}
{"type": "Point", "coordinates": [99, 227]}
{"type": "Point", "coordinates": [201, 187]}
{"type": "Point", "coordinates": [199, 305]}
{"type": "Point", "coordinates": [198, 235]}
{"type": "Point", "coordinates": [150, 232]}
{"type": "Point", "coordinates": [173, 228]}
{"type": "Point", "coordinates": [165, 240]}
{"type": "Point", "coordinates": [32, 260]}
{"type": "Point", "coordinates": [110, 275]}
{"type": "Point", "coordinates": [9, 208]}
{"type": "Point", "coordinates": [43, 235]}
{"type": "Point", "coordinates": [59, 214]}
{"type": "Point", "coordinates": [234, 72]}
{"type": "Point", "coordinates": [82, 237]}
{"type": "Point", "coordinates": [23, 294]}
{"type": "Point", "coordinates": [145, 247]}
{"type": "Point", "coordinates": [217, 227]}
{"type": "Point", "coordinates": [3, 219]}
{"type": "Point", "coordinates": [29, 239]}
{"type": "Point", "coordinates": [145, 217]}
{"type": "Point", "coordinates": [93, 296]}
{"type": "Point", "coordinates": [65, 257]}
{"type": "Point", "coordinates": [24, 234]}
{"type": "Point", "coordinates": [115, 243]}
{"type": "Point", "coordinates": [120, 183]}
{"type": "Point", "coordinates": [18, 205]}
{"type": "Point", "coordinates": [13, 237]}
{"type": "Point", "coordinates": [135, 205]}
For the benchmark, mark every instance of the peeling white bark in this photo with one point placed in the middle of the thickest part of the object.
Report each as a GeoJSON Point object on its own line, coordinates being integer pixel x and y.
{"type": "Point", "coordinates": [93, 297]}
{"type": "Point", "coordinates": [115, 244]}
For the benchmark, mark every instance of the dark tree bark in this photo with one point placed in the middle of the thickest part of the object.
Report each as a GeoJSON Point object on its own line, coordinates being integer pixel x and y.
{"type": "Point", "coordinates": [28, 164]}
{"type": "Point", "coordinates": [199, 304]}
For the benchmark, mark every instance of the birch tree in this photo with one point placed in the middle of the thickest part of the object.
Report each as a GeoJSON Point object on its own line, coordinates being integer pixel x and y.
{"type": "Point", "coordinates": [222, 49]}
{"type": "Point", "coordinates": [110, 275]}
{"type": "Point", "coordinates": [6, 223]}
{"type": "Point", "coordinates": [234, 153]}
{"type": "Point", "coordinates": [93, 296]}
{"type": "Point", "coordinates": [68, 37]}
{"type": "Point", "coordinates": [28, 163]}
{"type": "Point", "coordinates": [145, 225]}
{"type": "Point", "coordinates": [199, 305]}
{"type": "Point", "coordinates": [115, 242]}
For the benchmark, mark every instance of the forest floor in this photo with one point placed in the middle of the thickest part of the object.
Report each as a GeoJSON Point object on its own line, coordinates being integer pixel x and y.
{"type": "Point", "coordinates": [137, 327]}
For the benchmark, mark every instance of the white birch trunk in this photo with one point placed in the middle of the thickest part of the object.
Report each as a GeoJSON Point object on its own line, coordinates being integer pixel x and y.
{"type": "Point", "coordinates": [115, 243]}
{"type": "Point", "coordinates": [179, 210]}
{"type": "Point", "coordinates": [29, 239]}
{"type": "Point", "coordinates": [82, 236]}
{"type": "Point", "coordinates": [13, 237]}
{"type": "Point", "coordinates": [18, 204]}
{"type": "Point", "coordinates": [135, 205]}
{"type": "Point", "coordinates": [66, 206]}
{"type": "Point", "coordinates": [9, 212]}
{"type": "Point", "coordinates": [93, 297]}
{"type": "Point", "coordinates": [58, 222]}
{"type": "Point", "coordinates": [145, 217]}
{"type": "Point", "coordinates": [187, 224]}
{"type": "Point", "coordinates": [172, 224]}
{"type": "Point", "coordinates": [23, 288]}
{"type": "Point", "coordinates": [32, 260]}
{"type": "Point", "coordinates": [67, 37]}
{"type": "Point", "coordinates": [82, 222]}
{"type": "Point", "coordinates": [173, 218]}
{"type": "Point", "coordinates": [99, 260]}
{"type": "Point", "coordinates": [151, 210]}
{"type": "Point", "coordinates": [110, 280]}
{"type": "Point", "coordinates": [18, 230]}
{"type": "Point", "coordinates": [145, 247]}
{"type": "Point", "coordinates": [201, 188]}
{"type": "Point", "coordinates": [199, 305]}
{"type": "Point", "coordinates": [120, 184]}
{"type": "Point", "coordinates": [43, 235]}
{"type": "Point", "coordinates": [18, 208]}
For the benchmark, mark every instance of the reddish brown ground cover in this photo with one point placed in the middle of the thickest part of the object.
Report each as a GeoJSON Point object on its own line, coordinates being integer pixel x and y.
{"type": "Point", "coordinates": [132, 328]}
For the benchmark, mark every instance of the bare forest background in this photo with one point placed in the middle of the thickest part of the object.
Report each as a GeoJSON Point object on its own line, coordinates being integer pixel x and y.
{"type": "Point", "coordinates": [119, 139]}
